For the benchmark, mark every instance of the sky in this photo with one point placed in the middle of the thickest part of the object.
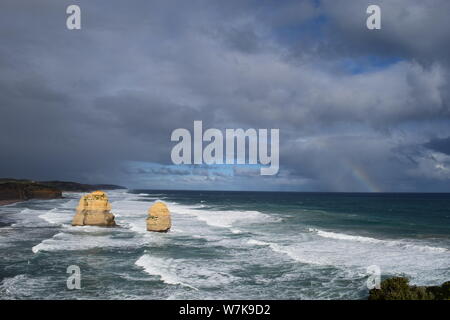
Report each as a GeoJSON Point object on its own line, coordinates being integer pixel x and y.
{"type": "Point", "coordinates": [358, 110]}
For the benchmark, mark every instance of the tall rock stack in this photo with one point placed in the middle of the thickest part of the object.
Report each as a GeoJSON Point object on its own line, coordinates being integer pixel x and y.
{"type": "Point", "coordinates": [94, 210]}
{"type": "Point", "coordinates": [158, 218]}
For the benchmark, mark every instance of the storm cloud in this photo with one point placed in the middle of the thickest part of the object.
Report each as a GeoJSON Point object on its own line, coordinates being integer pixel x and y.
{"type": "Point", "coordinates": [358, 109]}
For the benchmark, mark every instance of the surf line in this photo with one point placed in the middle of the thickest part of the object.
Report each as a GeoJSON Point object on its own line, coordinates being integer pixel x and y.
{"type": "Point", "coordinates": [213, 153]}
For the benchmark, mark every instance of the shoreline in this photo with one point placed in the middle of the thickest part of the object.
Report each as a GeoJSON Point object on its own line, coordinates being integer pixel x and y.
{"type": "Point", "coordinates": [12, 201]}
{"type": "Point", "coordinates": [7, 202]}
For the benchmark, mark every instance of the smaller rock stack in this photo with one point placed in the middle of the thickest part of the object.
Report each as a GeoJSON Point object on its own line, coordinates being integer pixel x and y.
{"type": "Point", "coordinates": [158, 218]}
{"type": "Point", "coordinates": [94, 210]}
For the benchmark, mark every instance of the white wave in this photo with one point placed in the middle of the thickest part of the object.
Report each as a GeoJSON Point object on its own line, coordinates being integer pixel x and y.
{"type": "Point", "coordinates": [90, 237]}
{"type": "Point", "coordinates": [94, 230]}
{"type": "Point", "coordinates": [27, 286]}
{"type": "Point", "coordinates": [27, 211]}
{"type": "Point", "coordinates": [56, 216]}
{"type": "Point", "coordinates": [257, 242]}
{"type": "Point", "coordinates": [421, 248]}
{"type": "Point", "coordinates": [72, 204]}
{"type": "Point", "coordinates": [400, 243]}
{"type": "Point", "coordinates": [353, 255]}
{"type": "Point", "coordinates": [222, 218]}
{"type": "Point", "coordinates": [291, 252]}
{"type": "Point", "coordinates": [131, 214]}
{"type": "Point", "coordinates": [192, 273]}
{"type": "Point", "coordinates": [11, 204]}
{"type": "Point", "coordinates": [14, 286]}
{"type": "Point", "coordinates": [163, 268]}
{"type": "Point", "coordinates": [47, 244]}
{"type": "Point", "coordinates": [341, 236]}
{"type": "Point", "coordinates": [28, 218]}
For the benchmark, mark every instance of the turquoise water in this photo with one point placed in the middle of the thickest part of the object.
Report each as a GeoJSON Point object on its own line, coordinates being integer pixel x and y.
{"type": "Point", "coordinates": [226, 245]}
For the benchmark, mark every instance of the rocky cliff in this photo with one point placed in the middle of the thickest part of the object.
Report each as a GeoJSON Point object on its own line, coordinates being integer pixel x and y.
{"type": "Point", "coordinates": [80, 187]}
{"type": "Point", "coordinates": [13, 190]}
{"type": "Point", "coordinates": [25, 190]}
{"type": "Point", "coordinates": [94, 210]}
{"type": "Point", "coordinates": [158, 218]}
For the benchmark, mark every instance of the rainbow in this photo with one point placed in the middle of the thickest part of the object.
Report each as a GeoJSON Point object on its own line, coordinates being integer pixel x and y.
{"type": "Point", "coordinates": [363, 178]}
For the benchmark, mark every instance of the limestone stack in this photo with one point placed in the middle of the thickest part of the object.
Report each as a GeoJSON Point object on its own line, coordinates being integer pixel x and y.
{"type": "Point", "coordinates": [158, 218]}
{"type": "Point", "coordinates": [94, 210]}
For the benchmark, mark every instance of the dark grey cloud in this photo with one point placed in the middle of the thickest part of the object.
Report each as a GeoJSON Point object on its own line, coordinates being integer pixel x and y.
{"type": "Point", "coordinates": [358, 110]}
{"type": "Point", "coordinates": [412, 29]}
{"type": "Point", "coordinates": [439, 145]}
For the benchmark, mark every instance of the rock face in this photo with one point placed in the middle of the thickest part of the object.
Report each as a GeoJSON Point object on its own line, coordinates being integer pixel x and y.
{"type": "Point", "coordinates": [25, 190]}
{"type": "Point", "coordinates": [94, 210]}
{"type": "Point", "coordinates": [80, 187]}
{"type": "Point", "coordinates": [158, 218]}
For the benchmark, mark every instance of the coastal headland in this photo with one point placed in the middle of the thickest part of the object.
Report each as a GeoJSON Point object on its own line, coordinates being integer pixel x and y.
{"type": "Point", "coordinates": [16, 190]}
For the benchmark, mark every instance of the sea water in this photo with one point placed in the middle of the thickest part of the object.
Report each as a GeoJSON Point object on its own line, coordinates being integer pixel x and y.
{"type": "Point", "coordinates": [225, 245]}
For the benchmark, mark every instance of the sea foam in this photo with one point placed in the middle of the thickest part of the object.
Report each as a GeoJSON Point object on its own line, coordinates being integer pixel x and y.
{"type": "Point", "coordinates": [164, 268]}
{"type": "Point", "coordinates": [57, 216]}
{"type": "Point", "coordinates": [222, 218]}
{"type": "Point", "coordinates": [400, 243]}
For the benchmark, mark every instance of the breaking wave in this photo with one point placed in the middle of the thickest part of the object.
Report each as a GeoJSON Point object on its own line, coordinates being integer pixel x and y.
{"type": "Point", "coordinates": [400, 243]}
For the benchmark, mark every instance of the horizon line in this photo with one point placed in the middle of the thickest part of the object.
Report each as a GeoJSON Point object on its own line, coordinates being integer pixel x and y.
{"type": "Point", "coordinates": [286, 191]}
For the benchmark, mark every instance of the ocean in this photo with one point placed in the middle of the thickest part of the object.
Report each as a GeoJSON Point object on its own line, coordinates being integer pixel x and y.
{"type": "Point", "coordinates": [226, 245]}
